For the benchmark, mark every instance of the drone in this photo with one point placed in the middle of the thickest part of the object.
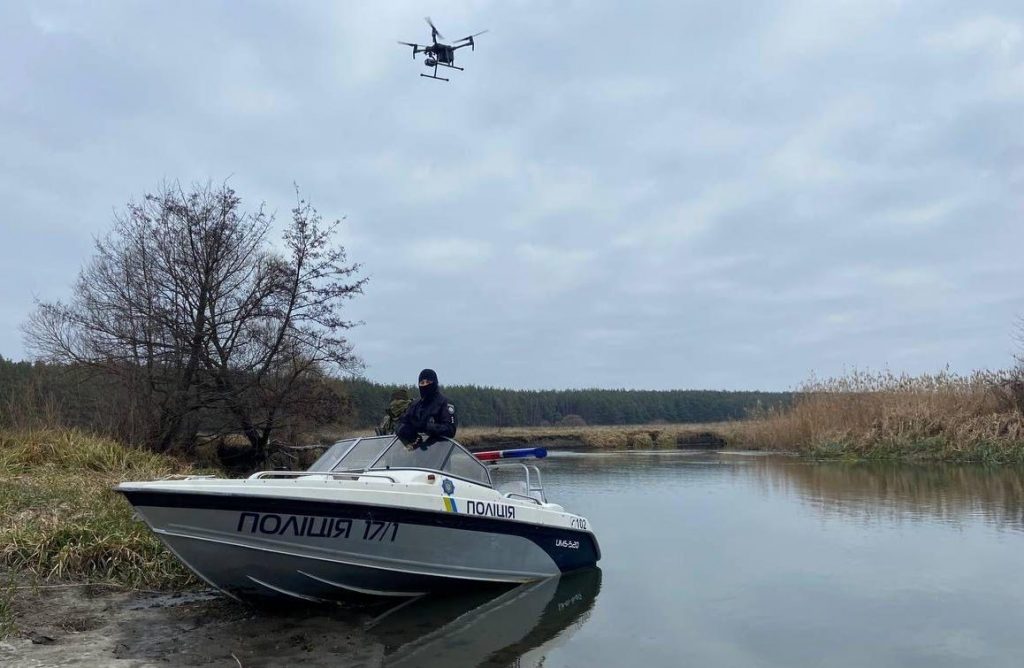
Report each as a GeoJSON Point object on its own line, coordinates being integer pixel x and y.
{"type": "Point", "coordinates": [441, 55]}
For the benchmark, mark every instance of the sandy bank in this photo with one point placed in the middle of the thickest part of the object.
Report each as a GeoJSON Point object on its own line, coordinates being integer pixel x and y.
{"type": "Point", "coordinates": [97, 626]}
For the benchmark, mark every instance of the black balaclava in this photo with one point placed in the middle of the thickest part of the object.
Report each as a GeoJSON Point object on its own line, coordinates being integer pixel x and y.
{"type": "Point", "coordinates": [430, 391]}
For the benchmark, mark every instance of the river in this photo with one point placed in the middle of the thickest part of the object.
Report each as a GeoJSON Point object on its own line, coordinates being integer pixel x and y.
{"type": "Point", "coordinates": [752, 560]}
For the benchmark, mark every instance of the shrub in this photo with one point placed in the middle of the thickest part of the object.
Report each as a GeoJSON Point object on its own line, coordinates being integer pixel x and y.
{"type": "Point", "coordinates": [573, 421]}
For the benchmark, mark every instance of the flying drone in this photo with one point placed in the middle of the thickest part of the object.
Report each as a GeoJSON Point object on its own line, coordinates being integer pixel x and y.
{"type": "Point", "coordinates": [441, 55]}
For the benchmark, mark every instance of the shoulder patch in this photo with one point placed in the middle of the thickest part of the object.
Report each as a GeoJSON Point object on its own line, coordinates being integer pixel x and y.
{"type": "Point", "coordinates": [451, 408]}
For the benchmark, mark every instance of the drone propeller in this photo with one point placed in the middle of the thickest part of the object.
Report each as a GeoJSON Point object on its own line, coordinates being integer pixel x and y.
{"type": "Point", "coordinates": [415, 48]}
{"type": "Point", "coordinates": [472, 36]}
{"type": "Point", "coordinates": [472, 44]}
{"type": "Point", "coordinates": [435, 33]}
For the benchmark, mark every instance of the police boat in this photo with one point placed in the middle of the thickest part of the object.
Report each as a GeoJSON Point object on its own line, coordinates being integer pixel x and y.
{"type": "Point", "coordinates": [369, 518]}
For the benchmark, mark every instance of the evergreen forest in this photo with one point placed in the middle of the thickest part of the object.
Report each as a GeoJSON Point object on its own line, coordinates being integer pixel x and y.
{"type": "Point", "coordinates": [74, 397]}
{"type": "Point", "coordinates": [496, 407]}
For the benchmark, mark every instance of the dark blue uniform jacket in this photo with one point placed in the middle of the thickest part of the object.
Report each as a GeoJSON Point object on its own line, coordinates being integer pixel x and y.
{"type": "Point", "coordinates": [434, 417]}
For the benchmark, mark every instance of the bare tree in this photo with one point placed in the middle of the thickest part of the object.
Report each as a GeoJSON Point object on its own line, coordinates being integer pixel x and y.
{"type": "Point", "coordinates": [187, 305]}
{"type": "Point", "coordinates": [1008, 385]}
{"type": "Point", "coordinates": [1019, 338]}
{"type": "Point", "coordinates": [1015, 381]}
{"type": "Point", "coordinates": [270, 341]}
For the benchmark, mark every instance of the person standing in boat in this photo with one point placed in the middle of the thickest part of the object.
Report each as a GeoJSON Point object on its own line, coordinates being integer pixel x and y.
{"type": "Point", "coordinates": [393, 412]}
{"type": "Point", "coordinates": [432, 415]}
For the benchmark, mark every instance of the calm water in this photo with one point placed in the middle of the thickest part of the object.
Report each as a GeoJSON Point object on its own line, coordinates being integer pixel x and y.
{"type": "Point", "coordinates": [747, 560]}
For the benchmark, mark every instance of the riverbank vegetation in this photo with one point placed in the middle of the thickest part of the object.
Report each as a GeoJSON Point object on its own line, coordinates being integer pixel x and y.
{"type": "Point", "coordinates": [944, 416]}
{"type": "Point", "coordinates": [863, 415]}
{"type": "Point", "coordinates": [61, 520]}
{"type": "Point", "coordinates": [618, 437]}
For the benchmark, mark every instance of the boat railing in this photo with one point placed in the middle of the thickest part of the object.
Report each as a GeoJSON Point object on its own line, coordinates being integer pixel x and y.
{"type": "Point", "coordinates": [533, 483]}
{"type": "Point", "coordinates": [333, 475]}
{"type": "Point", "coordinates": [514, 495]}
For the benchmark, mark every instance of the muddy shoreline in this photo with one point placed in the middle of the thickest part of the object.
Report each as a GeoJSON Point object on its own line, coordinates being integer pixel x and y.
{"type": "Point", "coordinates": [68, 625]}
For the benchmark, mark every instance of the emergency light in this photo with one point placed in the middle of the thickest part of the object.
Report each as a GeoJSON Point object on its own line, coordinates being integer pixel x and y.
{"type": "Point", "coordinates": [518, 453]}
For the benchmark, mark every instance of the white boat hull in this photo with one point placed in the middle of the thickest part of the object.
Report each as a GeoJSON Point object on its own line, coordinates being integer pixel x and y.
{"type": "Point", "coordinates": [260, 545]}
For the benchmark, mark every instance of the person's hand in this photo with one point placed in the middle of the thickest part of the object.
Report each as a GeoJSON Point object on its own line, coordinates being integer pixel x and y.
{"type": "Point", "coordinates": [415, 444]}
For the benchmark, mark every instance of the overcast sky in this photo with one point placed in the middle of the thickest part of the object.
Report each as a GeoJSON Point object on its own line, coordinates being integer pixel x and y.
{"type": "Point", "coordinates": [643, 195]}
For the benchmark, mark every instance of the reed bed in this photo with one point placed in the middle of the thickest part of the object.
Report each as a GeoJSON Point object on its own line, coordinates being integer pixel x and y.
{"type": "Point", "coordinates": [60, 519]}
{"type": "Point", "coordinates": [618, 437]}
{"type": "Point", "coordinates": [944, 416]}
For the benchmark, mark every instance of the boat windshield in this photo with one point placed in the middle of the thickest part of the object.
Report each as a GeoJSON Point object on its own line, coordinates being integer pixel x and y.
{"type": "Point", "coordinates": [398, 456]}
{"type": "Point", "coordinates": [387, 452]}
{"type": "Point", "coordinates": [352, 454]}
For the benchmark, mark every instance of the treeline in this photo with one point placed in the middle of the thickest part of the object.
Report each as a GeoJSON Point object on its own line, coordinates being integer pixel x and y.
{"type": "Point", "coordinates": [60, 394]}
{"type": "Point", "coordinates": [42, 394]}
{"type": "Point", "coordinates": [494, 407]}
{"type": "Point", "coordinates": [36, 394]}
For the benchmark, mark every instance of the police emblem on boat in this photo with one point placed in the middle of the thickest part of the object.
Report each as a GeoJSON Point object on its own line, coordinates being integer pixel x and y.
{"type": "Point", "coordinates": [448, 486]}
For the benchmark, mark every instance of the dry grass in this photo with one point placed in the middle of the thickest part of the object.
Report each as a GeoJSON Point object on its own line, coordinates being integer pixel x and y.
{"type": "Point", "coordinates": [7, 615]}
{"type": "Point", "coordinates": [621, 437]}
{"type": "Point", "coordinates": [60, 519]}
{"type": "Point", "coordinates": [882, 415]}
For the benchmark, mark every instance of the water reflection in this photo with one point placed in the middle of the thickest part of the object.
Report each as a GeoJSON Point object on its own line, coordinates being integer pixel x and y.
{"type": "Point", "coordinates": [852, 490]}
{"type": "Point", "coordinates": [927, 492]}
{"type": "Point", "coordinates": [492, 628]}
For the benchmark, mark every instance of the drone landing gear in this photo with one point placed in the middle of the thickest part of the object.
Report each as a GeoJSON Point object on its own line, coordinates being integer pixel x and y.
{"type": "Point", "coordinates": [436, 65]}
{"type": "Point", "coordinates": [434, 75]}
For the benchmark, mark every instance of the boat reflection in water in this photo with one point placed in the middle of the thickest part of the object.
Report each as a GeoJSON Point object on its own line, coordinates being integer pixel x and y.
{"type": "Point", "coordinates": [493, 627]}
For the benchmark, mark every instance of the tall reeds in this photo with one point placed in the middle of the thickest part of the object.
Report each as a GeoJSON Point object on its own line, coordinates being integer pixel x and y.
{"type": "Point", "coordinates": [885, 415]}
